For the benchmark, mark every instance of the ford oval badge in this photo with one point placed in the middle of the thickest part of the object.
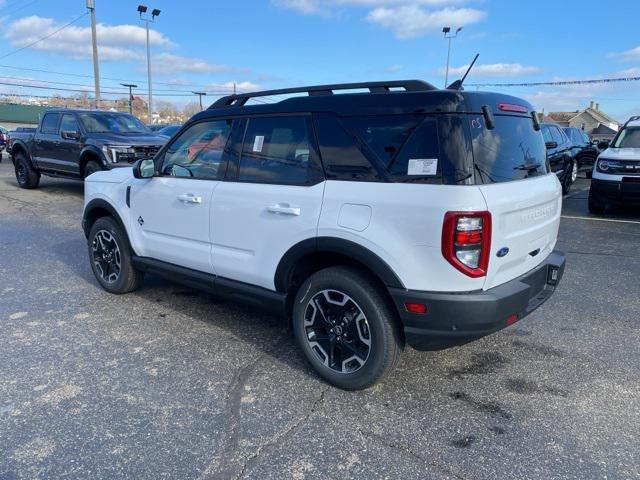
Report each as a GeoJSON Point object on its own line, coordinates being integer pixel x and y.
{"type": "Point", "coordinates": [503, 252]}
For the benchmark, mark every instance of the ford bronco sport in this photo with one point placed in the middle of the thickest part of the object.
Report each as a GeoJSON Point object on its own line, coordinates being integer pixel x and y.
{"type": "Point", "coordinates": [403, 214]}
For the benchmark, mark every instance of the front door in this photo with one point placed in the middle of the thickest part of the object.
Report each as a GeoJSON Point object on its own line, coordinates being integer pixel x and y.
{"type": "Point", "coordinates": [171, 212]}
{"type": "Point", "coordinates": [270, 203]}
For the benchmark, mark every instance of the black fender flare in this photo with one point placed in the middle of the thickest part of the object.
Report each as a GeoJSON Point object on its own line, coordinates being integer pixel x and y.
{"type": "Point", "coordinates": [99, 204]}
{"type": "Point", "coordinates": [340, 246]}
{"type": "Point", "coordinates": [21, 146]}
{"type": "Point", "coordinates": [93, 151]}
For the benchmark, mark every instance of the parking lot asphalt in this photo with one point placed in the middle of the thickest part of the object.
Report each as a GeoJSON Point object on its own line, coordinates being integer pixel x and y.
{"type": "Point", "coordinates": [168, 382]}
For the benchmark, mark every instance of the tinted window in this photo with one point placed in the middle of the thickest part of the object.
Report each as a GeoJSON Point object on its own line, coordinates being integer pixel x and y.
{"type": "Point", "coordinates": [512, 150]}
{"type": "Point", "coordinates": [50, 123]}
{"type": "Point", "coordinates": [405, 145]}
{"type": "Point", "coordinates": [105, 122]}
{"type": "Point", "coordinates": [197, 152]}
{"type": "Point", "coordinates": [69, 123]}
{"type": "Point", "coordinates": [629, 137]}
{"type": "Point", "coordinates": [546, 133]}
{"type": "Point", "coordinates": [341, 155]}
{"type": "Point", "coordinates": [556, 134]}
{"type": "Point", "coordinates": [585, 137]}
{"type": "Point", "coordinates": [278, 150]}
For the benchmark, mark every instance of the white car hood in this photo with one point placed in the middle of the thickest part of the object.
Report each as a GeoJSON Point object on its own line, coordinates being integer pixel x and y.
{"type": "Point", "coordinates": [621, 154]}
{"type": "Point", "coordinates": [117, 175]}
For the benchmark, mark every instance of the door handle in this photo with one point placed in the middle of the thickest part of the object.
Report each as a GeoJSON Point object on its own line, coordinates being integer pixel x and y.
{"type": "Point", "coordinates": [189, 198]}
{"type": "Point", "coordinates": [57, 142]}
{"type": "Point", "coordinates": [284, 209]}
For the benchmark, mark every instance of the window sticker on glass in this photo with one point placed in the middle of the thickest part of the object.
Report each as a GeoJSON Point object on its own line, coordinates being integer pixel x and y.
{"type": "Point", "coordinates": [422, 166]}
{"type": "Point", "coordinates": [258, 143]}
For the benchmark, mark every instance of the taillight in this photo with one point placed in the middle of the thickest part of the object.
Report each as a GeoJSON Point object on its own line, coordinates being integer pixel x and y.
{"type": "Point", "coordinates": [466, 241]}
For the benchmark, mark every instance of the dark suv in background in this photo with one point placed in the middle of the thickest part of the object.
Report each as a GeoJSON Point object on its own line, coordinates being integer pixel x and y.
{"type": "Point", "coordinates": [584, 151]}
{"type": "Point", "coordinates": [77, 143]}
{"type": "Point", "coordinates": [560, 154]}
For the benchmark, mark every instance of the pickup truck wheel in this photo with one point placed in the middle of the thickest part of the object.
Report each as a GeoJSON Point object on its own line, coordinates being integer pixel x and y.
{"type": "Point", "coordinates": [110, 257]}
{"type": "Point", "coordinates": [26, 176]}
{"type": "Point", "coordinates": [346, 328]}
{"type": "Point", "coordinates": [567, 180]}
{"type": "Point", "coordinates": [91, 167]}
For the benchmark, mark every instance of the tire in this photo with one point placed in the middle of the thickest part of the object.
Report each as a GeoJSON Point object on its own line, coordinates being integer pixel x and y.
{"type": "Point", "coordinates": [110, 257]}
{"type": "Point", "coordinates": [330, 300]}
{"type": "Point", "coordinates": [596, 205]}
{"type": "Point", "coordinates": [569, 175]}
{"type": "Point", "coordinates": [26, 175]}
{"type": "Point", "coordinates": [92, 166]}
{"type": "Point", "coordinates": [589, 173]}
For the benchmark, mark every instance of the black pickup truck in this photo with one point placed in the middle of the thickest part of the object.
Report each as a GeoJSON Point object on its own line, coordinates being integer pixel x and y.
{"type": "Point", "coordinates": [76, 143]}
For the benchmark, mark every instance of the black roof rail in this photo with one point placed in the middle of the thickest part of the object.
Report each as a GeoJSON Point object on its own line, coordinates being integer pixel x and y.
{"type": "Point", "coordinates": [237, 100]}
{"type": "Point", "coordinates": [631, 119]}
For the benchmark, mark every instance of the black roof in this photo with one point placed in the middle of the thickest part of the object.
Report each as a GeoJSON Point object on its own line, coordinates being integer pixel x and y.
{"type": "Point", "coordinates": [403, 96]}
{"type": "Point", "coordinates": [80, 110]}
{"type": "Point", "coordinates": [602, 129]}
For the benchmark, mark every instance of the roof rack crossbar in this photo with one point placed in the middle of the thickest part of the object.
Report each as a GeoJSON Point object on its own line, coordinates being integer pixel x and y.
{"type": "Point", "coordinates": [631, 119]}
{"type": "Point", "coordinates": [318, 90]}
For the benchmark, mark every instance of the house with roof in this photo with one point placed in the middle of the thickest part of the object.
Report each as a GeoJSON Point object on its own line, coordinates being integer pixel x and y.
{"type": "Point", "coordinates": [591, 120]}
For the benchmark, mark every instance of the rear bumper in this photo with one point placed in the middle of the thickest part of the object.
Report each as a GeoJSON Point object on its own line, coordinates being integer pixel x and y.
{"type": "Point", "coordinates": [625, 191]}
{"type": "Point", "coordinates": [458, 318]}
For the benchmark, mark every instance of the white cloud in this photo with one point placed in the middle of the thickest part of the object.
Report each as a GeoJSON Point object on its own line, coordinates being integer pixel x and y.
{"type": "Point", "coordinates": [493, 70]}
{"type": "Point", "coordinates": [631, 54]}
{"type": "Point", "coordinates": [244, 86]}
{"type": "Point", "coordinates": [396, 67]}
{"type": "Point", "coordinates": [327, 6]}
{"type": "Point", "coordinates": [409, 21]}
{"type": "Point", "coordinates": [167, 63]}
{"type": "Point", "coordinates": [115, 42]}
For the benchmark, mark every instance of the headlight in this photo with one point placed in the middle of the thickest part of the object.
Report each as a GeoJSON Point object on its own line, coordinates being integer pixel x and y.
{"type": "Point", "coordinates": [116, 153]}
{"type": "Point", "coordinates": [605, 165]}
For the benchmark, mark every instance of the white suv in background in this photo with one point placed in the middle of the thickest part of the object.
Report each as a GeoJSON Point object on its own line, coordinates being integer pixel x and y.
{"type": "Point", "coordinates": [400, 214]}
{"type": "Point", "coordinates": [616, 174]}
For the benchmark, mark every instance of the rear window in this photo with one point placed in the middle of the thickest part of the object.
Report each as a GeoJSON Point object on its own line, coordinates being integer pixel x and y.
{"type": "Point", "coordinates": [406, 146]}
{"type": "Point", "coordinates": [512, 150]}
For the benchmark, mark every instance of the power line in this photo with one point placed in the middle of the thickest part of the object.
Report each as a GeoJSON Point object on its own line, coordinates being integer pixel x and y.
{"type": "Point", "coordinates": [558, 83]}
{"type": "Point", "coordinates": [45, 37]}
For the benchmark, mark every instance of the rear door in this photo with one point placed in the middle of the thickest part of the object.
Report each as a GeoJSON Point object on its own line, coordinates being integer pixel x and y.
{"type": "Point", "coordinates": [271, 200]}
{"type": "Point", "coordinates": [46, 141]}
{"type": "Point", "coordinates": [68, 149]}
{"type": "Point", "coordinates": [523, 199]}
{"type": "Point", "coordinates": [171, 213]}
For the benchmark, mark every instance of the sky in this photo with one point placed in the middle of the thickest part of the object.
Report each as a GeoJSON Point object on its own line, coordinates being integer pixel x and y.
{"type": "Point", "coordinates": [262, 44]}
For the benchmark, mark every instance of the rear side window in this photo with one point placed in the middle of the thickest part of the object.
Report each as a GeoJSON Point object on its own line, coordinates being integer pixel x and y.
{"type": "Point", "coordinates": [50, 123]}
{"type": "Point", "coordinates": [557, 135]}
{"type": "Point", "coordinates": [406, 146]}
{"type": "Point", "coordinates": [512, 150]}
{"type": "Point", "coordinates": [279, 150]}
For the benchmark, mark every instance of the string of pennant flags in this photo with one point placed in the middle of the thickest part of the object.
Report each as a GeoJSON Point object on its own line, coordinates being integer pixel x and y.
{"type": "Point", "coordinates": [558, 83]}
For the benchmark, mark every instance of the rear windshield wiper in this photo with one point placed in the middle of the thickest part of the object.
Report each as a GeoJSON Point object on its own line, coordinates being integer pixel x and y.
{"type": "Point", "coordinates": [528, 166]}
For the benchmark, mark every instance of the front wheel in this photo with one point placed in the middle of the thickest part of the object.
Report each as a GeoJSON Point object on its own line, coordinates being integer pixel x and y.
{"type": "Point", "coordinates": [91, 167]}
{"type": "Point", "coordinates": [110, 257]}
{"type": "Point", "coordinates": [346, 328]}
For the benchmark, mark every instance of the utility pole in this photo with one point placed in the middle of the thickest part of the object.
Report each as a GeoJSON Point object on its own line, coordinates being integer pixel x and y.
{"type": "Point", "coordinates": [200, 94]}
{"type": "Point", "coordinates": [130, 85]}
{"type": "Point", "coordinates": [91, 6]}
{"type": "Point", "coordinates": [154, 13]}
{"type": "Point", "coordinates": [449, 36]}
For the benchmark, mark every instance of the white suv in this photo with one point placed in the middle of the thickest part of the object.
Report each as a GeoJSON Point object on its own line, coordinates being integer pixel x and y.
{"type": "Point", "coordinates": [616, 174]}
{"type": "Point", "coordinates": [402, 214]}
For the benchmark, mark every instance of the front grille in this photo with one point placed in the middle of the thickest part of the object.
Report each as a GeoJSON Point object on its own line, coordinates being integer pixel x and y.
{"type": "Point", "coordinates": [139, 152]}
{"type": "Point", "coordinates": [621, 167]}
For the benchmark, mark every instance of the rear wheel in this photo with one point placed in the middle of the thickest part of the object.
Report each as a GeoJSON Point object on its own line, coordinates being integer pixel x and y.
{"type": "Point", "coordinates": [596, 204]}
{"type": "Point", "coordinates": [346, 328]}
{"type": "Point", "coordinates": [570, 176]}
{"type": "Point", "coordinates": [91, 167]}
{"type": "Point", "coordinates": [110, 257]}
{"type": "Point", "coordinates": [26, 175]}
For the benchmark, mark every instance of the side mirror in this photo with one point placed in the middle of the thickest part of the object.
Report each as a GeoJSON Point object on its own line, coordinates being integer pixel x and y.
{"type": "Point", "coordinates": [551, 145]}
{"type": "Point", "coordinates": [145, 168]}
{"type": "Point", "coordinates": [70, 134]}
{"type": "Point", "coordinates": [603, 145]}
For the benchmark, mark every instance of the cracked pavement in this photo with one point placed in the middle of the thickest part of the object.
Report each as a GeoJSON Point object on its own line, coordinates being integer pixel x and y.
{"type": "Point", "coordinates": [168, 382]}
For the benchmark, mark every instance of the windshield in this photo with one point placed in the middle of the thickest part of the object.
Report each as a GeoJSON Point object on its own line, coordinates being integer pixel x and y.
{"type": "Point", "coordinates": [104, 122]}
{"type": "Point", "coordinates": [628, 138]}
{"type": "Point", "coordinates": [512, 150]}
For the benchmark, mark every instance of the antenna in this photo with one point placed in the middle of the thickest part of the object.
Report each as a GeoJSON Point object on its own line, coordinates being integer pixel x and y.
{"type": "Point", "coordinates": [457, 85]}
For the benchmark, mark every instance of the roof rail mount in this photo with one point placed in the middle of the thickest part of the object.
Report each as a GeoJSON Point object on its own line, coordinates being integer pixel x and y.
{"type": "Point", "coordinates": [238, 100]}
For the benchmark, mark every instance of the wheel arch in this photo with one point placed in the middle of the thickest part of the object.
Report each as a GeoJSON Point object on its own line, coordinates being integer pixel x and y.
{"type": "Point", "coordinates": [313, 254]}
{"type": "Point", "coordinates": [20, 147]}
{"type": "Point", "coordinates": [89, 153]}
{"type": "Point", "coordinates": [98, 208]}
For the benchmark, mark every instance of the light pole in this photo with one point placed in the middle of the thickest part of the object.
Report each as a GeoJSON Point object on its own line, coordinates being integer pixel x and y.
{"type": "Point", "coordinates": [154, 13]}
{"type": "Point", "coordinates": [200, 94]}
{"type": "Point", "coordinates": [91, 6]}
{"type": "Point", "coordinates": [449, 35]}
{"type": "Point", "coordinates": [130, 85]}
